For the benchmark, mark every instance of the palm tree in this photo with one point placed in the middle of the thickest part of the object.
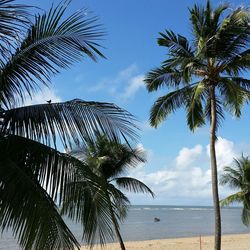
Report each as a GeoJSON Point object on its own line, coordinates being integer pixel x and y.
{"type": "Point", "coordinates": [204, 76]}
{"type": "Point", "coordinates": [238, 177]}
{"type": "Point", "coordinates": [109, 161]}
{"type": "Point", "coordinates": [33, 173]}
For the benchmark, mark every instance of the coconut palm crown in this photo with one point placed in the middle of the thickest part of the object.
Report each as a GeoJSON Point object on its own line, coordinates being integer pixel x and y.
{"type": "Point", "coordinates": [204, 75]}
{"type": "Point", "coordinates": [33, 173]}
{"type": "Point", "coordinates": [101, 207]}
{"type": "Point", "coordinates": [237, 177]}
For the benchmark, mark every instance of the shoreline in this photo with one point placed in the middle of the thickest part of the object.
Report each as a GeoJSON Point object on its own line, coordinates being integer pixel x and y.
{"type": "Point", "coordinates": [229, 242]}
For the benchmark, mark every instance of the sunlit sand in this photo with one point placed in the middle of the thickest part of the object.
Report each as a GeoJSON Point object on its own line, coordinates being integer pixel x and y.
{"type": "Point", "coordinates": [229, 242]}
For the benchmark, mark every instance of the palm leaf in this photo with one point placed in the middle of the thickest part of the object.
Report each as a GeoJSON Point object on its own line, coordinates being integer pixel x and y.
{"type": "Point", "coordinates": [88, 205]}
{"type": "Point", "coordinates": [53, 42]}
{"type": "Point", "coordinates": [168, 104]}
{"type": "Point", "coordinates": [109, 158]}
{"type": "Point", "coordinates": [49, 167]}
{"type": "Point", "coordinates": [120, 202]}
{"type": "Point", "coordinates": [27, 167]}
{"type": "Point", "coordinates": [127, 159]}
{"type": "Point", "coordinates": [99, 205]}
{"type": "Point", "coordinates": [233, 36]}
{"type": "Point", "coordinates": [177, 44]}
{"type": "Point", "coordinates": [205, 23]}
{"type": "Point", "coordinates": [160, 77]}
{"type": "Point", "coordinates": [74, 119]}
{"type": "Point", "coordinates": [195, 113]}
{"type": "Point", "coordinates": [133, 185]}
{"type": "Point", "coordinates": [234, 96]}
{"type": "Point", "coordinates": [245, 216]}
{"type": "Point", "coordinates": [237, 64]}
{"type": "Point", "coordinates": [14, 19]}
{"type": "Point", "coordinates": [231, 177]}
{"type": "Point", "coordinates": [237, 197]}
{"type": "Point", "coordinates": [238, 175]}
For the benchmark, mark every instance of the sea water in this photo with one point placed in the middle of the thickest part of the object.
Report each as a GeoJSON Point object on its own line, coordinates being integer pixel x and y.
{"type": "Point", "coordinates": [175, 221]}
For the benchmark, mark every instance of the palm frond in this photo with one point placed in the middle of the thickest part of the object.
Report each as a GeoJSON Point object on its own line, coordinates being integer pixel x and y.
{"type": "Point", "coordinates": [167, 104]}
{"type": "Point", "coordinates": [178, 45]}
{"type": "Point", "coordinates": [73, 120]}
{"type": "Point", "coordinates": [237, 64]}
{"type": "Point", "coordinates": [50, 168]}
{"type": "Point", "coordinates": [216, 15]}
{"type": "Point", "coordinates": [241, 82]}
{"type": "Point", "coordinates": [205, 23]}
{"type": "Point", "coordinates": [89, 205]}
{"type": "Point", "coordinates": [53, 42]}
{"type": "Point", "coordinates": [197, 20]}
{"type": "Point", "coordinates": [129, 158]}
{"type": "Point", "coordinates": [160, 77]}
{"type": "Point", "coordinates": [133, 185]}
{"type": "Point", "coordinates": [98, 204]}
{"type": "Point", "coordinates": [31, 175]}
{"type": "Point", "coordinates": [14, 20]}
{"type": "Point", "coordinates": [234, 96]}
{"type": "Point", "coordinates": [108, 157]}
{"type": "Point", "coordinates": [195, 112]}
{"type": "Point", "coordinates": [245, 216]}
{"type": "Point", "coordinates": [231, 177]}
{"type": "Point", "coordinates": [233, 35]}
{"type": "Point", "coordinates": [120, 202]}
{"type": "Point", "coordinates": [237, 176]}
{"type": "Point", "coordinates": [237, 197]}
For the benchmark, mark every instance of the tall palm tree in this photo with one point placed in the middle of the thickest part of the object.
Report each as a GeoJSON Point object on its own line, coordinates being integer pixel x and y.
{"type": "Point", "coordinates": [237, 176]}
{"type": "Point", "coordinates": [203, 76]}
{"type": "Point", "coordinates": [109, 161]}
{"type": "Point", "coordinates": [33, 173]}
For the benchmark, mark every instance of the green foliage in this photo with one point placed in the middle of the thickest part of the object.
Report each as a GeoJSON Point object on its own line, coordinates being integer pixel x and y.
{"type": "Point", "coordinates": [28, 168]}
{"type": "Point", "coordinates": [52, 42]}
{"type": "Point", "coordinates": [218, 54]}
{"type": "Point", "coordinates": [238, 177]}
{"type": "Point", "coordinates": [203, 77]}
{"type": "Point", "coordinates": [33, 174]}
{"type": "Point", "coordinates": [73, 121]}
{"type": "Point", "coordinates": [100, 205]}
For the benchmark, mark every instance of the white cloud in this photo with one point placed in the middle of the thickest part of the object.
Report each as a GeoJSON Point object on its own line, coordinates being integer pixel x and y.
{"type": "Point", "coordinates": [187, 156]}
{"type": "Point", "coordinates": [127, 73]}
{"type": "Point", "coordinates": [225, 152]}
{"type": "Point", "coordinates": [123, 85]}
{"type": "Point", "coordinates": [133, 86]}
{"type": "Point", "coordinates": [42, 96]}
{"type": "Point", "coordinates": [187, 178]}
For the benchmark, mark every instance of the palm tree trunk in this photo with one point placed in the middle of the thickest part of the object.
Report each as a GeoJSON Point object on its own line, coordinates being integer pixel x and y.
{"type": "Point", "coordinates": [119, 237]}
{"type": "Point", "coordinates": [117, 231]}
{"type": "Point", "coordinates": [217, 216]}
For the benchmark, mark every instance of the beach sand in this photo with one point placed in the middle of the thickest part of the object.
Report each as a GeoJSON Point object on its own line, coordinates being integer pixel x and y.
{"type": "Point", "coordinates": [229, 242]}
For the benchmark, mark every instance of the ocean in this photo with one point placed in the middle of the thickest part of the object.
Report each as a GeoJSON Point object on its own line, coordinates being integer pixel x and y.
{"type": "Point", "coordinates": [175, 221]}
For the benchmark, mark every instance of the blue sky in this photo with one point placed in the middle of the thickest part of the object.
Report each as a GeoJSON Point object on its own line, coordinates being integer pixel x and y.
{"type": "Point", "coordinates": [178, 162]}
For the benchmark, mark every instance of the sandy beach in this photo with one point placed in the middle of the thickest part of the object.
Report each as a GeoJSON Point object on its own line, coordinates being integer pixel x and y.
{"type": "Point", "coordinates": [229, 242]}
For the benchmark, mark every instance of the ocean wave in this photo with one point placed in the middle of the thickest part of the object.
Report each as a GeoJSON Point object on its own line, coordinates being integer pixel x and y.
{"type": "Point", "coordinates": [199, 209]}
{"type": "Point", "coordinates": [177, 208]}
{"type": "Point", "coordinates": [171, 208]}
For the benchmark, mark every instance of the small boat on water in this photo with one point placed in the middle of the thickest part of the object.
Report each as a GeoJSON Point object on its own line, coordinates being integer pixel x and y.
{"type": "Point", "coordinates": [156, 219]}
